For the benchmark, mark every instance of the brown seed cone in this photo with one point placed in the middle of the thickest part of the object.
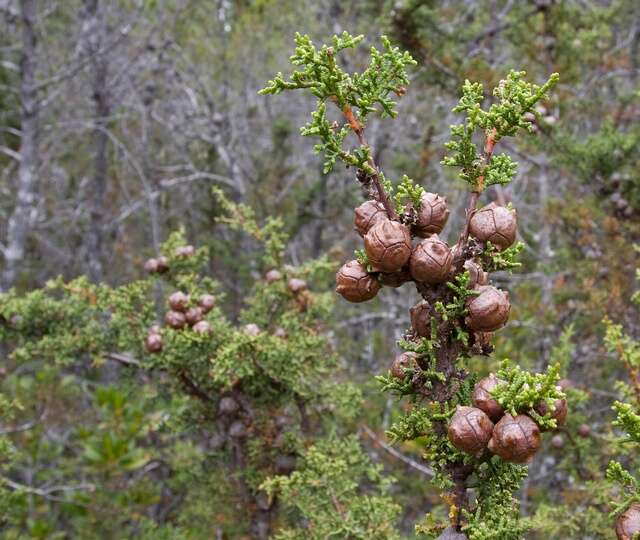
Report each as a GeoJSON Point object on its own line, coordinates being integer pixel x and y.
{"type": "Point", "coordinates": [430, 261]}
{"type": "Point", "coordinates": [184, 251]}
{"type": "Point", "coordinates": [280, 333]}
{"type": "Point", "coordinates": [367, 215]}
{"type": "Point", "coordinates": [151, 266]}
{"type": "Point", "coordinates": [628, 523]}
{"type": "Point", "coordinates": [559, 413]}
{"type": "Point", "coordinates": [388, 246]}
{"type": "Point", "coordinates": [175, 319]}
{"type": "Point", "coordinates": [421, 318]}
{"type": "Point", "coordinates": [483, 399]}
{"type": "Point", "coordinates": [252, 329]}
{"type": "Point", "coordinates": [496, 224]}
{"type": "Point", "coordinates": [296, 285]}
{"type": "Point", "coordinates": [355, 284]}
{"type": "Point", "coordinates": [304, 300]}
{"type": "Point", "coordinates": [193, 315]}
{"type": "Point", "coordinates": [202, 327]}
{"type": "Point", "coordinates": [432, 216]}
{"type": "Point", "coordinates": [470, 430]}
{"type": "Point", "coordinates": [584, 430]}
{"type": "Point", "coordinates": [178, 301]}
{"type": "Point", "coordinates": [272, 276]}
{"type": "Point", "coordinates": [557, 441]}
{"type": "Point", "coordinates": [163, 264]}
{"type": "Point", "coordinates": [406, 360]}
{"type": "Point", "coordinates": [477, 275]}
{"type": "Point", "coordinates": [516, 439]}
{"type": "Point", "coordinates": [207, 302]}
{"type": "Point", "coordinates": [489, 310]}
{"type": "Point", "coordinates": [153, 343]}
{"type": "Point", "coordinates": [394, 279]}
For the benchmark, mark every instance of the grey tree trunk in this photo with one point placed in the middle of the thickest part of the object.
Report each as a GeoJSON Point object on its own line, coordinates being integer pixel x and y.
{"type": "Point", "coordinates": [94, 241]}
{"type": "Point", "coordinates": [22, 219]}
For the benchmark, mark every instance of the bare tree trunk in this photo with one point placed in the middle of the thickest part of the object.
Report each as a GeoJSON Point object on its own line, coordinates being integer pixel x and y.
{"type": "Point", "coordinates": [24, 213]}
{"type": "Point", "coordinates": [102, 109]}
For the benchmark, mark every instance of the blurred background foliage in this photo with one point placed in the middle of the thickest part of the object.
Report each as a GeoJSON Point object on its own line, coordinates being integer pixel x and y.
{"type": "Point", "coordinates": [143, 107]}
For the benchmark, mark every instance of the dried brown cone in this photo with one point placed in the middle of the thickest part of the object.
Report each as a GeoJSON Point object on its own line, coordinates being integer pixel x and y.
{"type": "Point", "coordinates": [489, 310]}
{"type": "Point", "coordinates": [251, 329]}
{"type": "Point", "coordinates": [628, 523]}
{"type": "Point", "coordinates": [495, 224]}
{"type": "Point", "coordinates": [421, 318]}
{"type": "Point", "coordinates": [483, 399]}
{"type": "Point", "coordinates": [402, 362]}
{"type": "Point", "coordinates": [432, 216]}
{"type": "Point", "coordinates": [470, 430]}
{"type": "Point", "coordinates": [202, 327]}
{"type": "Point", "coordinates": [280, 333]}
{"type": "Point", "coordinates": [477, 276]}
{"type": "Point", "coordinates": [207, 302]}
{"type": "Point", "coordinates": [178, 301]}
{"type": "Point", "coordinates": [193, 315]}
{"type": "Point", "coordinates": [516, 438]}
{"type": "Point", "coordinates": [355, 284]}
{"type": "Point", "coordinates": [367, 215]}
{"type": "Point", "coordinates": [184, 251]}
{"type": "Point", "coordinates": [151, 266]}
{"type": "Point", "coordinates": [163, 264]}
{"type": "Point", "coordinates": [297, 285]}
{"type": "Point", "coordinates": [388, 246]}
{"type": "Point", "coordinates": [153, 343]}
{"type": "Point", "coordinates": [559, 413]}
{"type": "Point", "coordinates": [395, 279]}
{"type": "Point", "coordinates": [175, 319]}
{"type": "Point", "coordinates": [430, 261]}
{"type": "Point", "coordinates": [584, 430]}
{"type": "Point", "coordinates": [272, 276]}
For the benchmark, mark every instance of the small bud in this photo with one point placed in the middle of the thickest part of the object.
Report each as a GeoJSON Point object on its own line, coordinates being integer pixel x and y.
{"type": "Point", "coordinates": [495, 224]}
{"type": "Point", "coordinates": [421, 318]}
{"type": "Point", "coordinates": [202, 327]}
{"type": "Point", "coordinates": [388, 246]}
{"type": "Point", "coordinates": [628, 523]}
{"type": "Point", "coordinates": [402, 362]}
{"type": "Point", "coordinates": [153, 343]}
{"type": "Point", "coordinates": [355, 284]}
{"type": "Point", "coordinates": [207, 302]}
{"type": "Point", "coordinates": [296, 285]}
{"type": "Point", "coordinates": [430, 261]}
{"type": "Point", "coordinates": [515, 438]}
{"type": "Point", "coordinates": [584, 430]}
{"type": "Point", "coordinates": [470, 430]}
{"type": "Point", "coordinates": [184, 251]}
{"type": "Point", "coordinates": [175, 319]}
{"type": "Point", "coordinates": [193, 315]}
{"type": "Point", "coordinates": [252, 329]}
{"type": "Point", "coordinates": [483, 399]}
{"type": "Point", "coordinates": [559, 413]}
{"type": "Point", "coordinates": [178, 301]}
{"type": "Point", "coordinates": [432, 216]}
{"type": "Point", "coordinates": [489, 310]}
{"type": "Point", "coordinates": [228, 406]}
{"type": "Point", "coordinates": [272, 276]}
{"type": "Point", "coordinates": [151, 266]}
{"type": "Point", "coordinates": [367, 215]}
{"type": "Point", "coordinates": [163, 264]}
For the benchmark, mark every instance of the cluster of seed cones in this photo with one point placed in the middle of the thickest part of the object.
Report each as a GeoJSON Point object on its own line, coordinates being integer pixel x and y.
{"type": "Point", "coordinates": [395, 260]}
{"type": "Point", "coordinates": [486, 425]}
{"type": "Point", "coordinates": [183, 313]}
{"type": "Point", "coordinates": [160, 265]}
